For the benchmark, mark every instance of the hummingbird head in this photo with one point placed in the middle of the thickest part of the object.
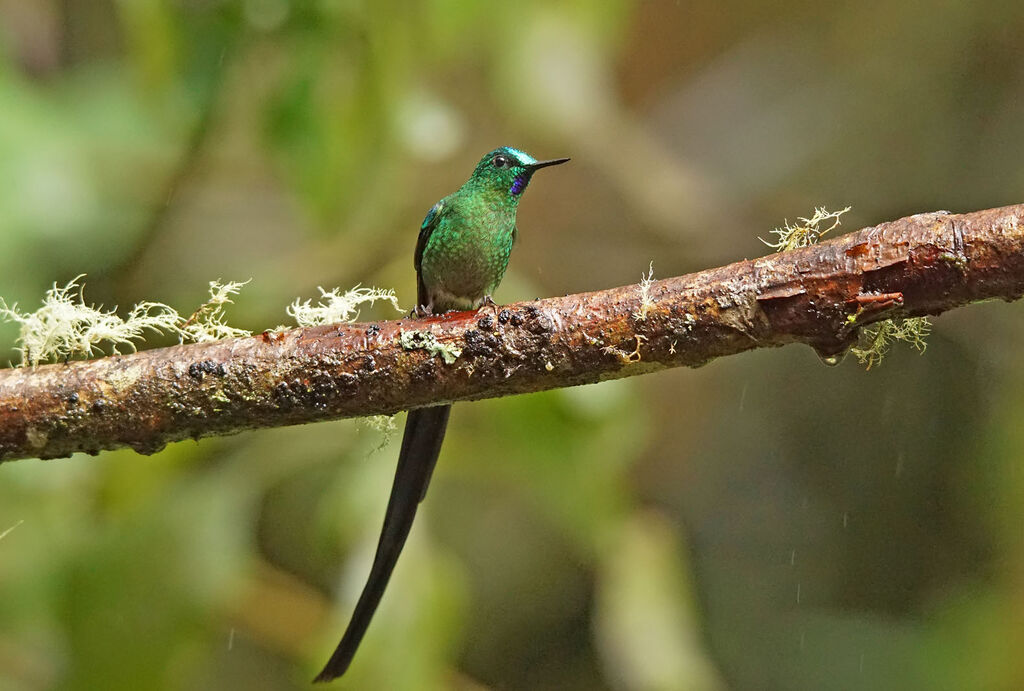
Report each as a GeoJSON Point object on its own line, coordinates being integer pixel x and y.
{"type": "Point", "coordinates": [508, 170]}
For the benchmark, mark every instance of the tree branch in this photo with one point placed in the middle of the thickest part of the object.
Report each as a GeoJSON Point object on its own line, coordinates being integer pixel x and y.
{"type": "Point", "coordinates": [819, 295]}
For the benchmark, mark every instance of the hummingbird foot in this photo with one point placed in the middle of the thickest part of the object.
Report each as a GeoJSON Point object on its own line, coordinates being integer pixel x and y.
{"type": "Point", "coordinates": [487, 303]}
{"type": "Point", "coordinates": [421, 311]}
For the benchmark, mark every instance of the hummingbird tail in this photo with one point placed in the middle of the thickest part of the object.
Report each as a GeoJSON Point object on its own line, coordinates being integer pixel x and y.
{"type": "Point", "coordinates": [421, 445]}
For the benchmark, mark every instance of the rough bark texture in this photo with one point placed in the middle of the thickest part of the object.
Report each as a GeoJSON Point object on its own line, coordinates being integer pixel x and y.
{"type": "Point", "coordinates": [818, 295]}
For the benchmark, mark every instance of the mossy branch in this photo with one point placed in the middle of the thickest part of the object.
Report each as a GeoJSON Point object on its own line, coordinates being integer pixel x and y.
{"type": "Point", "coordinates": [821, 295]}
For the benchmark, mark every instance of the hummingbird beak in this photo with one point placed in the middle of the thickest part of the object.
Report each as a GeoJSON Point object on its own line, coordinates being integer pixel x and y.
{"type": "Point", "coordinates": [545, 164]}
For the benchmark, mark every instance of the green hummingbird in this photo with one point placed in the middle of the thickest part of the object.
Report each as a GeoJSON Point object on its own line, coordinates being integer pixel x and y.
{"type": "Point", "coordinates": [461, 255]}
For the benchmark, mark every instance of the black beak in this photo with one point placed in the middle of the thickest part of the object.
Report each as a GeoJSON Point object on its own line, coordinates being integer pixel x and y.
{"type": "Point", "coordinates": [545, 164]}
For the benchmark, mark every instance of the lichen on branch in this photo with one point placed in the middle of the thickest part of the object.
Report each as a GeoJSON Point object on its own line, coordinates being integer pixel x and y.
{"type": "Point", "coordinates": [645, 293]}
{"type": "Point", "coordinates": [823, 295]}
{"type": "Point", "coordinates": [806, 231]}
{"type": "Point", "coordinates": [335, 306]}
{"type": "Point", "coordinates": [65, 326]}
{"type": "Point", "coordinates": [875, 340]}
{"type": "Point", "coordinates": [208, 322]}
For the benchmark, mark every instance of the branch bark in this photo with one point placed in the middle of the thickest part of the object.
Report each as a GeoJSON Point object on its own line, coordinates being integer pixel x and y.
{"type": "Point", "coordinates": [819, 295]}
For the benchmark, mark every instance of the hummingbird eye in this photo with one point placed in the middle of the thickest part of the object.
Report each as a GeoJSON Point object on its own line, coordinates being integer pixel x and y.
{"type": "Point", "coordinates": [500, 161]}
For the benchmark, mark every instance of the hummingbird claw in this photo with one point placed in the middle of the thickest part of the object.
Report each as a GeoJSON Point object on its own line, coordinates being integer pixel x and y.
{"type": "Point", "coordinates": [487, 303]}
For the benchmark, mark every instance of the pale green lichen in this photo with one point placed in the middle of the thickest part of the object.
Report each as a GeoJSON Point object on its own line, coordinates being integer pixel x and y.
{"type": "Point", "coordinates": [381, 424]}
{"type": "Point", "coordinates": [334, 306]}
{"type": "Point", "coordinates": [385, 424]}
{"type": "Point", "coordinates": [65, 326]}
{"type": "Point", "coordinates": [207, 323]}
{"type": "Point", "coordinates": [424, 340]}
{"type": "Point", "coordinates": [957, 260]}
{"type": "Point", "coordinates": [875, 340]}
{"type": "Point", "coordinates": [645, 294]}
{"type": "Point", "coordinates": [807, 231]}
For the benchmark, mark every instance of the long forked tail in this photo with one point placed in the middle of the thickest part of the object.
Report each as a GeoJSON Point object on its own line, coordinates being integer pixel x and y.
{"type": "Point", "coordinates": [421, 445]}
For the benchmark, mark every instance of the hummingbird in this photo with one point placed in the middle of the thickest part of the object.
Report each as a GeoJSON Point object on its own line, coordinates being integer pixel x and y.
{"type": "Point", "coordinates": [461, 256]}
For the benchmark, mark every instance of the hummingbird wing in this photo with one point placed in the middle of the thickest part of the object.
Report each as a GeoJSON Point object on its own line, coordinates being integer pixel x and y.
{"type": "Point", "coordinates": [430, 222]}
{"type": "Point", "coordinates": [421, 445]}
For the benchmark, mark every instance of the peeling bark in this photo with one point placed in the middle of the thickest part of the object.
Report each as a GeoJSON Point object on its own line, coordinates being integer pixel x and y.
{"type": "Point", "coordinates": [819, 295]}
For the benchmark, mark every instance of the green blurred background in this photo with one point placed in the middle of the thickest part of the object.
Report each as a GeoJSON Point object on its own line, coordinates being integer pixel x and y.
{"type": "Point", "coordinates": [765, 522]}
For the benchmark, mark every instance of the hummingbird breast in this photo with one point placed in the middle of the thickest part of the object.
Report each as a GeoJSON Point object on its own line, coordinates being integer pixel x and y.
{"type": "Point", "coordinates": [466, 256]}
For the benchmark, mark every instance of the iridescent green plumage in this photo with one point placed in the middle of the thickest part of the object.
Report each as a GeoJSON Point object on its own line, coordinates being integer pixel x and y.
{"type": "Point", "coordinates": [461, 255]}
{"type": "Point", "coordinates": [467, 237]}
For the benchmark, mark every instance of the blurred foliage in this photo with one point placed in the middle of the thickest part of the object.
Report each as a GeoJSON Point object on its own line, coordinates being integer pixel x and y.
{"type": "Point", "coordinates": [762, 523]}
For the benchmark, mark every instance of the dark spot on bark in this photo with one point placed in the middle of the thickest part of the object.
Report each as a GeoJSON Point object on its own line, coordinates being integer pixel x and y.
{"type": "Point", "coordinates": [486, 323]}
{"type": "Point", "coordinates": [539, 324]}
{"type": "Point", "coordinates": [99, 405]}
{"type": "Point", "coordinates": [369, 364]}
{"type": "Point", "coordinates": [426, 371]}
{"type": "Point", "coordinates": [284, 396]}
{"type": "Point", "coordinates": [517, 319]}
{"type": "Point", "coordinates": [372, 330]}
{"type": "Point", "coordinates": [322, 389]}
{"type": "Point", "coordinates": [504, 316]}
{"type": "Point", "coordinates": [480, 344]}
{"type": "Point", "coordinates": [197, 370]}
{"type": "Point", "coordinates": [72, 398]}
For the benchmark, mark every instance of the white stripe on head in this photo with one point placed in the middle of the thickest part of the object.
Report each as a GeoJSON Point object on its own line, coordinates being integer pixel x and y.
{"type": "Point", "coordinates": [524, 158]}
